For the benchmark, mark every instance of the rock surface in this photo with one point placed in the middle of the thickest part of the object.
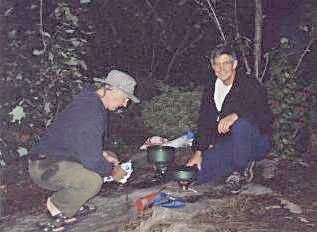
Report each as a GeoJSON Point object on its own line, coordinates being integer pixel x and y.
{"type": "Point", "coordinates": [117, 210]}
{"type": "Point", "coordinates": [256, 208]}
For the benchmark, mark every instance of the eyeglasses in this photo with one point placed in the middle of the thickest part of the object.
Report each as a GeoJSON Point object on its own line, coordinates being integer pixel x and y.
{"type": "Point", "coordinates": [225, 64]}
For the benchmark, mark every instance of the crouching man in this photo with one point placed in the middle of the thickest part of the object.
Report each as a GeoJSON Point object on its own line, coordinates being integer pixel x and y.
{"type": "Point", "coordinates": [235, 123]}
{"type": "Point", "coordinates": [70, 159]}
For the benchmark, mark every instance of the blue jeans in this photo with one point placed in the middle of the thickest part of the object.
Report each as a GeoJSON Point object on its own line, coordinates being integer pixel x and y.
{"type": "Point", "coordinates": [245, 143]}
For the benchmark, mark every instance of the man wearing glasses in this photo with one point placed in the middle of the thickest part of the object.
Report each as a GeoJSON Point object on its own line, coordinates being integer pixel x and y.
{"type": "Point", "coordinates": [234, 127]}
{"type": "Point", "coordinates": [70, 158]}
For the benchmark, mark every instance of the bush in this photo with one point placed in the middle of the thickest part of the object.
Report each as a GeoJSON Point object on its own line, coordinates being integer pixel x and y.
{"type": "Point", "coordinates": [173, 112]}
{"type": "Point", "coordinates": [290, 97]}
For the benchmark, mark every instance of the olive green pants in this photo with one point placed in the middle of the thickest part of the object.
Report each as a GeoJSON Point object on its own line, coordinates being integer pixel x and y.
{"type": "Point", "coordinates": [73, 184]}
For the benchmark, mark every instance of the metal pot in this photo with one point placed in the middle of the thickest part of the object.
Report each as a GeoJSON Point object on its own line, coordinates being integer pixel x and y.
{"type": "Point", "coordinates": [161, 157]}
{"type": "Point", "coordinates": [185, 174]}
{"type": "Point", "coordinates": [160, 154]}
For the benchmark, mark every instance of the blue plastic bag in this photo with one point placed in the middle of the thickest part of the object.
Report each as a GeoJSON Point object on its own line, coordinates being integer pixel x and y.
{"type": "Point", "coordinates": [165, 200]}
{"type": "Point", "coordinates": [177, 203]}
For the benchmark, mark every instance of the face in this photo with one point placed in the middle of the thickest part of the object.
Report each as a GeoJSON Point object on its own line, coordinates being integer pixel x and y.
{"type": "Point", "coordinates": [115, 99]}
{"type": "Point", "coordinates": [225, 68]}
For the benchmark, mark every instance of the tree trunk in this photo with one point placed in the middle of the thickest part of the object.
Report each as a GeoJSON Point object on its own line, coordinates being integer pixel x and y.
{"type": "Point", "coordinates": [258, 38]}
{"type": "Point", "coordinates": [2, 192]}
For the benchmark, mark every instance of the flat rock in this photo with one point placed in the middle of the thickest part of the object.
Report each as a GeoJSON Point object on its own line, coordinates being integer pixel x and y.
{"type": "Point", "coordinates": [292, 207]}
{"type": "Point", "coordinates": [256, 189]}
{"type": "Point", "coordinates": [190, 227]}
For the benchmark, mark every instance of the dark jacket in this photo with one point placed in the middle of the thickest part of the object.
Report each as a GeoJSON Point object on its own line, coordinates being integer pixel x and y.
{"type": "Point", "coordinates": [247, 98]}
{"type": "Point", "coordinates": [78, 134]}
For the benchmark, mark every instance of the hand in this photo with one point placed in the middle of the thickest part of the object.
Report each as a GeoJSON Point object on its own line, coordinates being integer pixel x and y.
{"type": "Point", "coordinates": [225, 123]}
{"type": "Point", "coordinates": [118, 173]}
{"type": "Point", "coordinates": [196, 159]}
{"type": "Point", "coordinates": [154, 140]}
{"type": "Point", "coordinates": [111, 157]}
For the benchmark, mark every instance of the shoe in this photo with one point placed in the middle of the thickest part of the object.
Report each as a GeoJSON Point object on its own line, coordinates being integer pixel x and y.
{"type": "Point", "coordinates": [233, 183]}
{"type": "Point", "coordinates": [85, 210]}
{"type": "Point", "coordinates": [60, 222]}
{"type": "Point", "coordinates": [57, 223]}
{"type": "Point", "coordinates": [249, 172]}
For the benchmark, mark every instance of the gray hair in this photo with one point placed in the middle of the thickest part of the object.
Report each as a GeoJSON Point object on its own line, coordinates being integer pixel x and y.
{"type": "Point", "coordinates": [221, 51]}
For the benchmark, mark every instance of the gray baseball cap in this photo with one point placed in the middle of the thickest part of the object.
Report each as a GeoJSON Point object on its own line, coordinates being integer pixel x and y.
{"type": "Point", "coordinates": [122, 81]}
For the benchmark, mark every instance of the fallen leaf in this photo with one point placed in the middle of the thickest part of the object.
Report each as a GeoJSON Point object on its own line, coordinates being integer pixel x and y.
{"type": "Point", "coordinates": [17, 114]}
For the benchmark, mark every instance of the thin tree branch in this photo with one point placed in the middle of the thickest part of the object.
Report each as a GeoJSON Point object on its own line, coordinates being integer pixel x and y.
{"type": "Point", "coordinates": [153, 60]}
{"type": "Point", "coordinates": [200, 3]}
{"type": "Point", "coordinates": [199, 37]}
{"type": "Point", "coordinates": [153, 64]}
{"type": "Point", "coordinates": [306, 50]}
{"type": "Point", "coordinates": [242, 48]}
{"type": "Point", "coordinates": [181, 49]}
{"type": "Point", "coordinates": [267, 58]}
{"type": "Point", "coordinates": [214, 16]}
{"type": "Point", "coordinates": [176, 53]}
{"type": "Point", "coordinates": [155, 13]}
{"type": "Point", "coordinates": [42, 26]}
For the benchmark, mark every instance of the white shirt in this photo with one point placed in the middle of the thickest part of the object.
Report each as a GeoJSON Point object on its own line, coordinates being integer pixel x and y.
{"type": "Point", "coordinates": [221, 91]}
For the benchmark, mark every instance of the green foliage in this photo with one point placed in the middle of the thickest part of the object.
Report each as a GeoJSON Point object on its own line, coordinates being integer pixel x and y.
{"type": "Point", "coordinates": [290, 98]}
{"type": "Point", "coordinates": [62, 62]}
{"type": "Point", "coordinates": [66, 45]}
{"type": "Point", "coordinates": [173, 112]}
{"type": "Point", "coordinates": [61, 56]}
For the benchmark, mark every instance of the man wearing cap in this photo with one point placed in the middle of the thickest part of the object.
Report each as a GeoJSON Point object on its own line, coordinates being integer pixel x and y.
{"type": "Point", "coordinates": [70, 159]}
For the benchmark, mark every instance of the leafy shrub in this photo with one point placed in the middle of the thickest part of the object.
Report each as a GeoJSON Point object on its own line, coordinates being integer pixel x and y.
{"type": "Point", "coordinates": [173, 112]}
{"type": "Point", "coordinates": [290, 97]}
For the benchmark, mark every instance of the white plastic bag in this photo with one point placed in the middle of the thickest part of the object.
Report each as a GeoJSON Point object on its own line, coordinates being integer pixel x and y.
{"type": "Point", "coordinates": [125, 166]}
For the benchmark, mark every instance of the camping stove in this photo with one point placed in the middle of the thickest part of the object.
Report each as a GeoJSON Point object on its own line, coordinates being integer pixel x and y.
{"type": "Point", "coordinates": [184, 185]}
{"type": "Point", "coordinates": [185, 176]}
{"type": "Point", "coordinates": [161, 157]}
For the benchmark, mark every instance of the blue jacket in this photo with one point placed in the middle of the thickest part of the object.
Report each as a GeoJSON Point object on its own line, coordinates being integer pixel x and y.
{"type": "Point", "coordinates": [78, 134]}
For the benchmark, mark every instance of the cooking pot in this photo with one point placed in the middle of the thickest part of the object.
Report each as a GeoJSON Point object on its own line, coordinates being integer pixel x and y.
{"type": "Point", "coordinates": [185, 174]}
{"type": "Point", "coordinates": [161, 157]}
{"type": "Point", "coordinates": [158, 154]}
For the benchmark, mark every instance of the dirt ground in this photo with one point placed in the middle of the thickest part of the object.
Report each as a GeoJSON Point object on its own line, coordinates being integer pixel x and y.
{"type": "Point", "coordinates": [294, 181]}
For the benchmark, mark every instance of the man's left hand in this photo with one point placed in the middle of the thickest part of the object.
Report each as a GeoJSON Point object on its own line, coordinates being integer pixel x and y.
{"type": "Point", "coordinates": [226, 122]}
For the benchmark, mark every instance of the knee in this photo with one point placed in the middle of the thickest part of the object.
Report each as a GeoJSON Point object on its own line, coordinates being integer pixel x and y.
{"type": "Point", "coordinates": [93, 183]}
{"type": "Point", "coordinates": [240, 125]}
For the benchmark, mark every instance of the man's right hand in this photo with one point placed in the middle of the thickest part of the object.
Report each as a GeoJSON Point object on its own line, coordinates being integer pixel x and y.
{"type": "Point", "coordinates": [118, 173]}
{"type": "Point", "coordinates": [196, 159]}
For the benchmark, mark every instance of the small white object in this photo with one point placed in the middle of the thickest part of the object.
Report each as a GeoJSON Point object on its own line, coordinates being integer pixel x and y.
{"type": "Point", "coordinates": [2, 163]}
{"type": "Point", "coordinates": [181, 141]}
{"type": "Point", "coordinates": [284, 40]}
{"type": "Point", "coordinates": [22, 151]}
{"type": "Point", "coordinates": [125, 166]}
{"type": "Point", "coordinates": [19, 76]}
{"type": "Point", "coordinates": [292, 207]}
{"type": "Point", "coordinates": [154, 140]}
{"type": "Point", "coordinates": [37, 52]}
{"type": "Point", "coordinates": [17, 114]}
{"type": "Point", "coordinates": [84, 1]}
{"type": "Point", "coordinates": [47, 107]}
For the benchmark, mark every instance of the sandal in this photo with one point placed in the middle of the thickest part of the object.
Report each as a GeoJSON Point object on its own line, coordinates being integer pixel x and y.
{"type": "Point", "coordinates": [60, 222]}
{"type": "Point", "coordinates": [86, 209]}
